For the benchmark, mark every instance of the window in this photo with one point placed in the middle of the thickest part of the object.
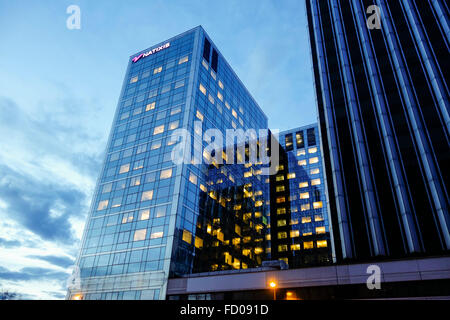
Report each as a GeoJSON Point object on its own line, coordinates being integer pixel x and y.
{"type": "Point", "coordinates": [322, 244]}
{"type": "Point", "coordinates": [281, 210]}
{"type": "Point", "coordinates": [320, 230]}
{"type": "Point", "coordinates": [234, 113]}
{"type": "Point", "coordinates": [315, 182]}
{"type": "Point", "coordinates": [187, 236]}
{"type": "Point", "coordinates": [306, 219]}
{"type": "Point", "coordinates": [156, 235]}
{"type": "Point", "coordinates": [135, 181]}
{"type": "Point", "coordinates": [157, 70]}
{"type": "Point", "coordinates": [202, 89]}
{"type": "Point", "coordinates": [183, 60]}
{"type": "Point", "coordinates": [318, 217]}
{"type": "Point", "coordinates": [193, 178]}
{"type": "Point", "coordinates": [295, 233]}
{"type": "Point", "coordinates": [198, 242]}
{"type": "Point", "coordinates": [156, 145]}
{"type": "Point", "coordinates": [302, 162]}
{"type": "Point", "coordinates": [313, 160]}
{"type": "Point", "coordinates": [279, 177]}
{"type": "Point", "coordinates": [158, 130]}
{"type": "Point", "coordinates": [142, 148]}
{"type": "Point", "coordinates": [308, 245]}
{"type": "Point", "coordinates": [282, 248]}
{"type": "Point", "coordinates": [220, 96]}
{"type": "Point", "coordinates": [312, 150]}
{"type": "Point", "coordinates": [301, 152]}
{"type": "Point", "coordinates": [315, 171]}
{"type": "Point", "coordinates": [173, 125]}
{"type": "Point", "coordinates": [134, 79]}
{"type": "Point", "coordinates": [140, 234]}
{"type": "Point", "coordinates": [303, 185]}
{"type": "Point", "coordinates": [199, 115]}
{"type": "Point", "coordinates": [150, 106]}
{"type": "Point", "coordinates": [138, 165]}
{"type": "Point", "coordinates": [291, 175]}
{"type": "Point", "coordinates": [281, 223]}
{"type": "Point", "coordinates": [281, 199]}
{"type": "Point", "coordinates": [299, 140]}
{"type": "Point", "coordinates": [107, 188]}
{"type": "Point", "coordinates": [295, 247]}
{"type": "Point", "coordinates": [147, 195]}
{"type": "Point", "coordinates": [144, 214]}
{"type": "Point", "coordinates": [304, 195]}
{"type": "Point", "coordinates": [211, 98]}
{"type": "Point", "coordinates": [175, 110]}
{"type": "Point", "coordinates": [282, 235]}
{"type": "Point", "coordinates": [317, 205]}
{"type": "Point", "coordinates": [102, 205]}
{"type": "Point", "coordinates": [124, 168]}
{"type": "Point", "coordinates": [311, 137]}
{"type": "Point", "coordinates": [205, 64]}
{"type": "Point", "coordinates": [160, 211]}
{"type": "Point", "coordinates": [305, 207]}
{"type": "Point", "coordinates": [179, 84]}
{"type": "Point", "coordinates": [280, 188]}
{"type": "Point", "coordinates": [220, 84]}
{"type": "Point", "coordinates": [288, 142]}
{"type": "Point", "coordinates": [165, 174]}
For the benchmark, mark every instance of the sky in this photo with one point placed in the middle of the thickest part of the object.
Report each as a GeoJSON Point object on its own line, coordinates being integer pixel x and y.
{"type": "Point", "coordinates": [58, 93]}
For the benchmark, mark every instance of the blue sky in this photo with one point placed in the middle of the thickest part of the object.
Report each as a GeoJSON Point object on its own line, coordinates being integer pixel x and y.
{"type": "Point", "coordinates": [59, 89]}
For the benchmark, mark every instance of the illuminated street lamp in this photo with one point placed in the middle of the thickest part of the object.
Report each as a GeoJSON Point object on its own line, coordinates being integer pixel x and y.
{"type": "Point", "coordinates": [273, 285]}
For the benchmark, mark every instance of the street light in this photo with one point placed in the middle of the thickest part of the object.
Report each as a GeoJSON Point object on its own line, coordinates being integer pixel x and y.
{"type": "Point", "coordinates": [273, 285]}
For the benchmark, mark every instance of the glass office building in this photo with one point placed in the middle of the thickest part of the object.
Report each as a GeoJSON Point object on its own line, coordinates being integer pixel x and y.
{"type": "Point", "coordinates": [151, 218]}
{"type": "Point", "coordinates": [383, 104]}
{"type": "Point", "coordinates": [300, 229]}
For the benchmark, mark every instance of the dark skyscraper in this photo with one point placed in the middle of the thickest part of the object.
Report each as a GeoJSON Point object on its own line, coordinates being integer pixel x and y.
{"type": "Point", "coordinates": [383, 102]}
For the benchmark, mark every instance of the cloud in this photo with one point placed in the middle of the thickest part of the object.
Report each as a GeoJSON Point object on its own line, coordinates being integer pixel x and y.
{"type": "Point", "coordinates": [59, 261]}
{"type": "Point", "coordinates": [9, 243]}
{"type": "Point", "coordinates": [32, 273]}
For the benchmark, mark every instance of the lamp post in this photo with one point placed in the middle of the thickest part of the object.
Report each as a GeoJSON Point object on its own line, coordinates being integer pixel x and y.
{"type": "Point", "coordinates": [273, 285]}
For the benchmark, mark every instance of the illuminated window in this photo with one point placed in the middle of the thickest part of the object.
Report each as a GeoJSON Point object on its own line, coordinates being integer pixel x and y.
{"type": "Point", "coordinates": [315, 182]}
{"type": "Point", "coordinates": [203, 188]}
{"type": "Point", "coordinates": [165, 174]}
{"type": "Point", "coordinates": [281, 223]}
{"type": "Point", "coordinates": [282, 248]}
{"type": "Point", "coordinates": [315, 171]}
{"type": "Point", "coordinates": [156, 235]}
{"type": "Point", "coordinates": [198, 242]}
{"type": "Point", "coordinates": [295, 247]}
{"type": "Point", "coordinates": [135, 181]}
{"type": "Point", "coordinates": [173, 125]}
{"type": "Point", "coordinates": [138, 165]}
{"type": "Point", "coordinates": [102, 205]}
{"type": "Point", "coordinates": [291, 175]}
{"type": "Point", "coordinates": [140, 234]}
{"type": "Point", "coordinates": [220, 96]}
{"type": "Point", "coordinates": [248, 174]}
{"type": "Point", "coordinates": [302, 162]}
{"type": "Point", "coordinates": [227, 105]}
{"type": "Point", "coordinates": [187, 236]}
{"type": "Point", "coordinates": [304, 195]}
{"type": "Point", "coordinates": [175, 111]}
{"type": "Point", "coordinates": [124, 168]}
{"type": "Point", "coordinates": [211, 98]}
{"type": "Point", "coordinates": [213, 74]}
{"type": "Point", "coordinates": [305, 207]}
{"type": "Point", "coordinates": [294, 221]}
{"type": "Point", "coordinates": [281, 210]}
{"type": "Point", "coordinates": [193, 178]}
{"type": "Point", "coordinates": [156, 145]}
{"type": "Point", "coordinates": [234, 113]}
{"type": "Point", "coordinates": [220, 85]}
{"type": "Point", "coordinates": [295, 233]}
{"type": "Point", "coordinates": [320, 230]}
{"type": "Point", "coordinates": [322, 244]}
{"type": "Point", "coordinates": [150, 106]}
{"type": "Point", "coordinates": [147, 195]}
{"type": "Point", "coordinates": [134, 79]}
{"type": "Point", "coordinates": [318, 217]}
{"type": "Point", "coordinates": [202, 89]}
{"type": "Point", "coordinates": [279, 177]}
{"type": "Point", "coordinates": [303, 185]}
{"type": "Point", "coordinates": [144, 214]}
{"type": "Point", "coordinates": [205, 64]}
{"type": "Point", "coordinates": [183, 60]}
{"type": "Point", "coordinates": [158, 129]}
{"type": "Point", "coordinates": [312, 150]}
{"type": "Point", "coordinates": [281, 199]}
{"type": "Point", "coordinates": [313, 160]}
{"type": "Point", "coordinates": [280, 188]}
{"type": "Point", "coordinates": [282, 235]}
{"type": "Point", "coordinates": [306, 219]}
{"type": "Point", "coordinates": [301, 152]}
{"type": "Point", "coordinates": [157, 70]}
{"type": "Point", "coordinates": [199, 115]}
{"type": "Point", "coordinates": [317, 205]}
{"type": "Point", "coordinates": [308, 245]}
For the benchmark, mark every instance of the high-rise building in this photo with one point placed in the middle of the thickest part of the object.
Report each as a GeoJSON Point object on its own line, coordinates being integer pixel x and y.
{"type": "Point", "coordinates": [299, 228]}
{"type": "Point", "coordinates": [381, 71]}
{"type": "Point", "coordinates": [152, 217]}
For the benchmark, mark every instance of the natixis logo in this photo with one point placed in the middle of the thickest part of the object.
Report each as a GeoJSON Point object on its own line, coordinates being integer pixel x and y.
{"type": "Point", "coordinates": [150, 52]}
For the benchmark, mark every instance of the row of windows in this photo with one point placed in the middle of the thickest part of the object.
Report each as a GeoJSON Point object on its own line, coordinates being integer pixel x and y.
{"type": "Point", "coordinates": [306, 245]}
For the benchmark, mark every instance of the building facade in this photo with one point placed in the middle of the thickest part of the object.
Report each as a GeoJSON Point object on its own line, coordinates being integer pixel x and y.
{"type": "Point", "coordinates": [300, 229]}
{"type": "Point", "coordinates": [383, 105]}
{"type": "Point", "coordinates": [152, 217]}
